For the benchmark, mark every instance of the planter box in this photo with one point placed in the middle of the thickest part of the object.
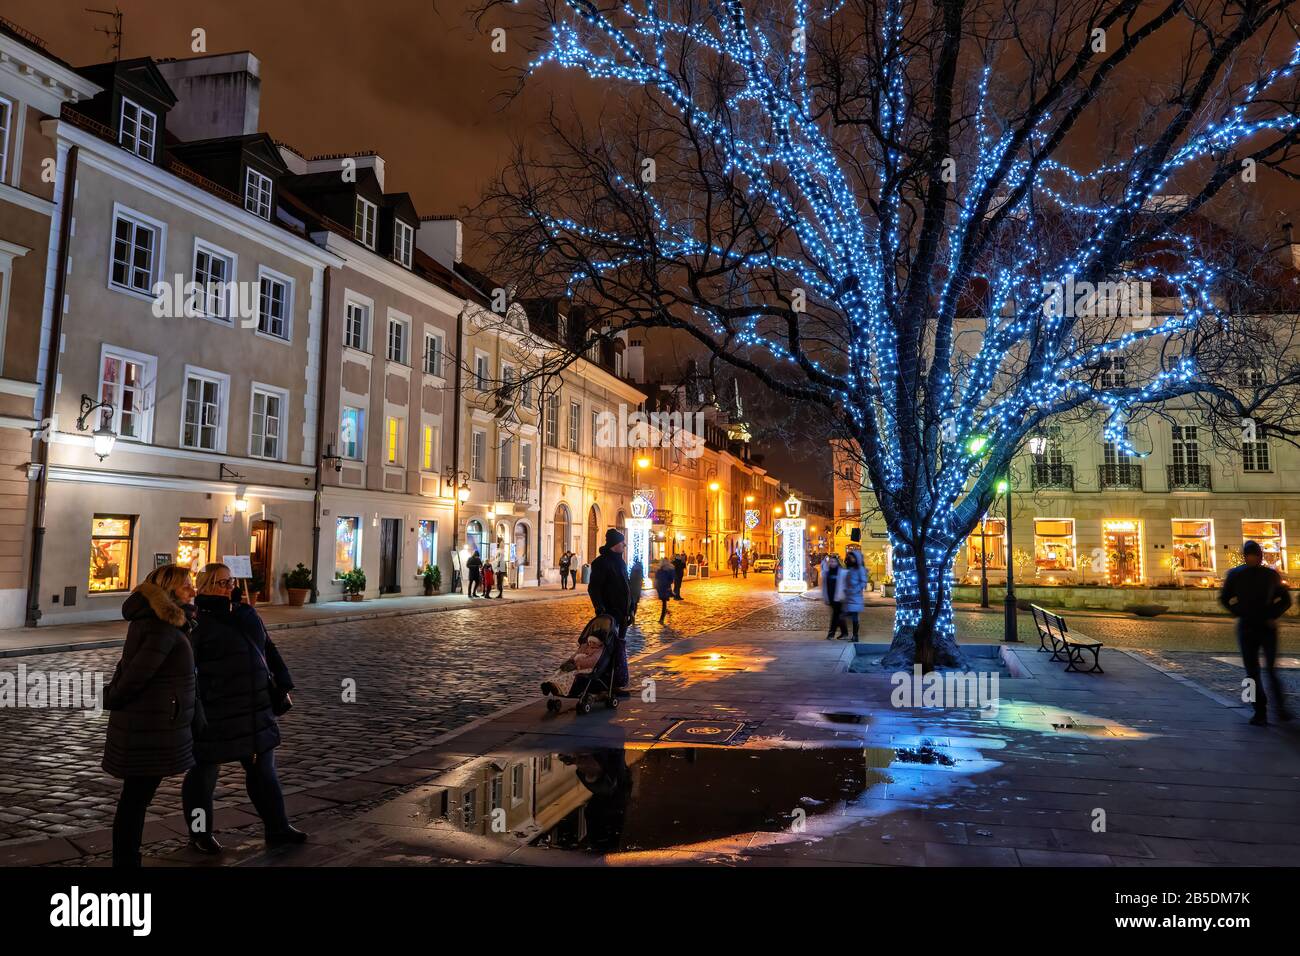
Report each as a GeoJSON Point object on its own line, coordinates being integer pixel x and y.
{"type": "Point", "coordinates": [354, 597]}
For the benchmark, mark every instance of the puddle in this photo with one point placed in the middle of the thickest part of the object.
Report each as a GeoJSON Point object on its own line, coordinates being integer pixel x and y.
{"type": "Point", "coordinates": [837, 717]}
{"type": "Point", "coordinates": [926, 754]}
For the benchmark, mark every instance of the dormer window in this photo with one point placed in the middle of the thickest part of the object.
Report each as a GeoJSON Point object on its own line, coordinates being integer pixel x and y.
{"type": "Point", "coordinates": [562, 328]}
{"type": "Point", "coordinates": [403, 241]}
{"type": "Point", "coordinates": [138, 130]}
{"type": "Point", "coordinates": [366, 218]}
{"type": "Point", "coordinates": [257, 194]}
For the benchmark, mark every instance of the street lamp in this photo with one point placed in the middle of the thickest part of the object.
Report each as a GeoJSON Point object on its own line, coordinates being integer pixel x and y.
{"type": "Point", "coordinates": [1009, 634]}
{"type": "Point", "coordinates": [103, 437]}
{"type": "Point", "coordinates": [710, 551]}
{"type": "Point", "coordinates": [776, 513]}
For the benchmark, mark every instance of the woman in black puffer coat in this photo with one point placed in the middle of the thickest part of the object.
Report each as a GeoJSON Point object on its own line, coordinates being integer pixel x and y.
{"type": "Point", "coordinates": [237, 663]}
{"type": "Point", "coordinates": [151, 703]}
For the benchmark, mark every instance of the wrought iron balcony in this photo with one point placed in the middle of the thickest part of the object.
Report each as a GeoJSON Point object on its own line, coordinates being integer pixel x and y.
{"type": "Point", "coordinates": [1120, 476]}
{"type": "Point", "coordinates": [512, 489]}
{"type": "Point", "coordinates": [661, 516]}
{"type": "Point", "coordinates": [1189, 477]}
{"type": "Point", "coordinates": [1053, 475]}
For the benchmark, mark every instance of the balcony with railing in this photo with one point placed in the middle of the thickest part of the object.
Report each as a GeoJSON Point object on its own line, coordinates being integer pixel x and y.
{"type": "Point", "coordinates": [1126, 475]}
{"type": "Point", "coordinates": [1052, 476]}
{"type": "Point", "coordinates": [1189, 477]}
{"type": "Point", "coordinates": [512, 490]}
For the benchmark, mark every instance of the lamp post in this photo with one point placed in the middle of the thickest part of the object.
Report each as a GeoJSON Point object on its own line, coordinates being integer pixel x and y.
{"type": "Point", "coordinates": [1009, 629]}
{"type": "Point", "coordinates": [984, 562]}
{"type": "Point", "coordinates": [710, 552]}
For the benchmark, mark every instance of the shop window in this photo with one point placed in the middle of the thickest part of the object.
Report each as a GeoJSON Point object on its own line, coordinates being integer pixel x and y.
{"type": "Point", "coordinates": [427, 545]}
{"type": "Point", "coordinates": [1270, 533]}
{"type": "Point", "coordinates": [194, 544]}
{"type": "Point", "coordinates": [991, 541]}
{"type": "Point", "coordinates": [1121, 540]}
{"type": "Point", "coordinates": [1054, 544]}
{"type": "Point", "coordinates": [347, 545]}
{"type": "Point", "coordinates": [1193, 544]}
{"type": "Point", "coordinates": [110, 553]}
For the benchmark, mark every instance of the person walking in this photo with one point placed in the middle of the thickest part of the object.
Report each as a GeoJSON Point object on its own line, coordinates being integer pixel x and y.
{"type": "Point", "coordinates": [855, 583]}
{"type": "Point", "coordinates": [151, 703]}
{"type": "Point", "coordinates": [607, 586]}
{"type": "Point", "coordinates": [242, 682]}
{"type": "Point", "coordinates": [475, 568]}
{"type": "Point", "coordinates": [744, 565]}
{"type": "Point", "coordinates": [833, 588]}
{"type": "Point", "coordinates": [679, 575]}
{"type": "Point", "coordinates": [1254, 594]}
{"type": "Point", "coordinates": [664, 578]}
{"type": "Point", "coordinates": [502, 570]}
{"type": "Point", "coordinates": [733, 562]}
{"type": "Point", "coordinates": [635, 584]}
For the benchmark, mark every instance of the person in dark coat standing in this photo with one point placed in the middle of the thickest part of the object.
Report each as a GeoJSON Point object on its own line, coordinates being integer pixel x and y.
{"type": "Point", "coordinates": [237, 663]}
{"type": "Point", "coordinates": [664, 578]}
{"type": "Point", "coordinates": [635, 584]}
{"type": "Point", "coordinates": [679, 575]}
{"type": "Point", "coordinates": [475, 567]}
{"type": "Point", "coordinates": [1255, 595]}
{"type": "Point", "coordinates": [608, 589]}
{"type": "Point", "coordinates": [565, 560]}
{"type": "Point", "coordinates": [151, 703]}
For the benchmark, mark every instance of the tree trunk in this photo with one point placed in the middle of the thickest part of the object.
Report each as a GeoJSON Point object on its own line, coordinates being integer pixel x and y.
{"type": "Point", "coordinates": [924, 632]}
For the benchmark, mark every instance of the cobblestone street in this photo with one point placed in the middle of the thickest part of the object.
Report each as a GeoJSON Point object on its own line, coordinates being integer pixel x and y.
{"type": "Point", "coordinates": [416, 677]}
{"type": "Point", "coordinates": [419, 676]}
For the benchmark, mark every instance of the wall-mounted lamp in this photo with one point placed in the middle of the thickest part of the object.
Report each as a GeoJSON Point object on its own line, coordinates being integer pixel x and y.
{"type": "Point", "coordinates": [103, 436]}
{"type": "Point", "coordinates": [241, 504]}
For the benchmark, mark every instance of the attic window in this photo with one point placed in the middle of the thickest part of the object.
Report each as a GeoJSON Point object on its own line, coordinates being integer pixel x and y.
{"type": "Point", "coordinates": [138, 129]}
{"type": "Point", "coordinates": [403, 240]}
{"type": "Point", "coordinates": [257, 194]}
{"type": "Point", "coordinates": [364, 227]}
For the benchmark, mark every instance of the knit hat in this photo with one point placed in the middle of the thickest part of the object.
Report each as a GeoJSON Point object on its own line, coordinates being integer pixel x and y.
{"type": "Point", "coordinates": [612, 537]}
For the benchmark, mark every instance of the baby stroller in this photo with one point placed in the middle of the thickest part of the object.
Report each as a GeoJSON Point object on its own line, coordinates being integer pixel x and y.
{"type": "Point", "coordinates": [599, 683]}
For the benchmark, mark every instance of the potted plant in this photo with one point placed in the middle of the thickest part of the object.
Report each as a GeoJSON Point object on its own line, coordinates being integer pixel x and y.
{"type": "Point", "coordinates": [432, 579]}
{"type": "Point", "coordinates": [887, 587]}
{"type": "Point", "coordinates": [298, 583]}
{"type": "Point", "coordinates": [255, 585]}
{"type": "Point", "coordinates": [354, 583]}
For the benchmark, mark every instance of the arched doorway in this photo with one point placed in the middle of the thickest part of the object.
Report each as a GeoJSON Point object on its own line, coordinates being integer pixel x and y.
{"type": "Point", "coordinates": [261, 545]}
{"type": "Point", "coordinates": [521, 543]}
{"type": "Point", "coordinates": [474, 538]}
{"type": "Point", "coordinates": [502, 538]}
{"type": "Point", "coordinates": [593, 534]}
{"type": "Point", "coordinates": [562, 523]}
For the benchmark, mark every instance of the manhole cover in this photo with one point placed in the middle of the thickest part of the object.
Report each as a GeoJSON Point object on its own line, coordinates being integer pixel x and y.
{"type": "Point", "coordinates": [702, 731]}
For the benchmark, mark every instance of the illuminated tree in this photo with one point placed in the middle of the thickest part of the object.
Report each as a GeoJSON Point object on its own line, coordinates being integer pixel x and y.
{"type": "Point", "coordinates": [891, 212]}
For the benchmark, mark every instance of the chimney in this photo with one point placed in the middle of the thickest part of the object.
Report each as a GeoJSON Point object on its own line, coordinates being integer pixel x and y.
{"type": "Point", "coordinates": [440, 238]}
{"type": "Point", "coordinates": [216, 96]}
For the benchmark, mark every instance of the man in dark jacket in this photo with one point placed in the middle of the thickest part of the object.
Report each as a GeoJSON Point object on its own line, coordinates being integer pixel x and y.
{"type": "Point", "coordinates": [609, 592]}
{"type": "Point", "coordinates": [475, 567]}
{"type": "Point", "coordinates": [1255, 595]}
{"type": "Point", "coordinates": [679, 575]}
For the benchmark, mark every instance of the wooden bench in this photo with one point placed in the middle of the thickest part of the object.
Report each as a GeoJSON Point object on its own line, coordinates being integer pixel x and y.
{"type": "Point", "coordinates": [1054, 636]}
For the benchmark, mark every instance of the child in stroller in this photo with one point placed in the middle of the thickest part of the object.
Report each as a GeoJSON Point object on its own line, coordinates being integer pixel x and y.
{"type": "Point", "coordinates": [589, 672]}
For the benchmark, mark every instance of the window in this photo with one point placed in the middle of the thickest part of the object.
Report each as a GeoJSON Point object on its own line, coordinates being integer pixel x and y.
{"type": "Point", "coordinates": [110, 553]}
{"type": "Point", "coordinates": [1054, 544]}
{"type": "Point", "coordinates": [136, 245]}
{"type": "Point", "coordinates": [214, 272]}
{"type": "Point", "coordinates": [433, 352]}
{"type": "Point", "coordinates": [516, 784]}
{"type": "Point", "coordinates": [575, 425]}
{"type": "Point", "coordinates": [426, 545]}
{"type": "Point", "coordinates": [503, 462]}
{"type": "Point", "coordinates": [394, 430]}
{"type": "Point", "coordinates": [478, 451]}
{"type": "Point", "coordinates": [469, 807]}
{"type": "Point", "coordinates": [526, 393]}
{"type": "Point", "coordinates": [1271, 536]}
{"type": "Point", "coordinates": [352, 432]}
{"type": "Point", "coordinates": [194, 543]}
{"type": "Point", "coordinates": [203, 418]}
{"type": "Point", "coordinates": [521, 543]}
{"type": "Point", "coordinates": [991, 542]}
{"type": "Point", "coordinates": [356, 326]}
{"type": "Point", "coordinates": [267, 426]}
{"type": "Point", "coordinates": [257, 193]}
{"type": "Point", "coordinates": [1121, 542]}
{"type": "Point", "coordinates": [1251, 378]}
{"type": "Point", "coordinates": [397, 336]}
{"type": "Point", "coordinates": [526, 463]}
{"type": "Point", "coordinates": [1112, 371]}
{"type": "Point", "coordinates": [497, 790]}
{"type": "Point", "coordinates": [364, 226]}
{"type": "Point", "coordinates": [1112, 454]}
{"type": "Point", "coordinates": [1255, 455]}
{"type": "Point", "coordinates": [507, 381]}
{"type": "Point", "coordinates": [595, 430]}
{"type": "Point", "coordinates": [138, 129]}
{"type": "Point", "coordinates": [427, 444]}
{"type": "Point", "coordinates": [1187, 449]}
{"type": "Point", "coordinates": [403, 241]}
{"type": "Point", "coordinates": [618, 363]}
{"type": "Point", "coordinates": [6, 122]}
{"type": "Point", "coordinates": [553, 420]}
{"type": "Point", "coordinates": [126, 383]}
{"type": "Point", "coordinates": [273, 303]}
{"type": "Point", "coordinates": [562, 328]}
{"type": "Point", "coordinates": [480, 371]}
{"type": "Point", "coordinates": [347, 545]}
{"type": "Point", "coordinates": [1193, 545]}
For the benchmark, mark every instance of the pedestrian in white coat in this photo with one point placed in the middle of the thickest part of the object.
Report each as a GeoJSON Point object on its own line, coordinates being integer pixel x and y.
{"type": "Point", "coordinates": [502, 567]}
{"type": "Point", "coordinates": [833, 584]}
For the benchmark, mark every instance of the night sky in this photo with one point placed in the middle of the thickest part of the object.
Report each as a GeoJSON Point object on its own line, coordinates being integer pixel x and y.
{"type": "Point", "coordinates": [413, 80]}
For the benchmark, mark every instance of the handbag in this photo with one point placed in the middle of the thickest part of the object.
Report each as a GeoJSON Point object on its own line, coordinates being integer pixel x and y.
{"type": "Point", "coordinates": [281, 702]}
